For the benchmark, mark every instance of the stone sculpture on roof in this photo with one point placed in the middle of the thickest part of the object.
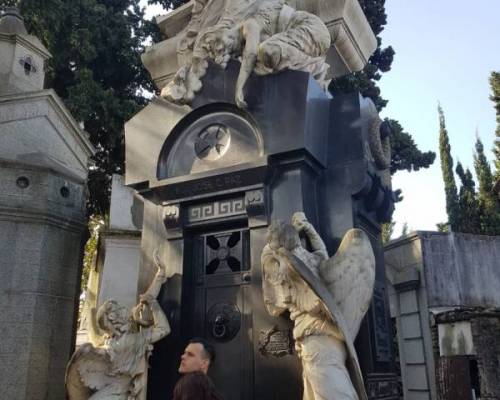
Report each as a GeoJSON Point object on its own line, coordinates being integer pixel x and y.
{"type": "Point", "coordinates": [268, 36]}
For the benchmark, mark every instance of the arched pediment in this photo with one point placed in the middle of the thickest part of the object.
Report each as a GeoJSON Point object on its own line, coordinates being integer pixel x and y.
{"type": "Point", "coordinates": [210, 138]}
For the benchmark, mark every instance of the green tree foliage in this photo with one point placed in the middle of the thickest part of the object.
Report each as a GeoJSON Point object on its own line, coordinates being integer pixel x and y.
{"type": "Point", "coordinates": [387, 231]}
{"type": "Point", "coordinates": [488, 203]}
{"type": "Point", "coordinates": [495, 98]}
{"type": "Point", "coordinates": [96, 225]}
{"type": "Point", "coordinates": [442, 227]}
{"type": "Point", "coordinates": [450, 186]}
{"type": "Point", "coordinates": [469, 211]}
{"type": "Point", "coordinates": [468, 207]}
{"type": "Point", "coordinates": [97, 71]}
{"type": "Point", "coordinates": [405, 154]}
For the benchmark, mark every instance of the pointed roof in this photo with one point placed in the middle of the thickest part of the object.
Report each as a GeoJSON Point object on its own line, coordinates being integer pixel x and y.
{"type": "Point", "coordinates": [11, 22]}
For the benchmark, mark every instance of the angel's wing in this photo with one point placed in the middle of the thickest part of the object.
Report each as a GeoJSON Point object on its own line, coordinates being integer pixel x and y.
{"type": "Point", "coordinates": [86, 372]}
{"type": "Point", "coordinates": [350, 276]}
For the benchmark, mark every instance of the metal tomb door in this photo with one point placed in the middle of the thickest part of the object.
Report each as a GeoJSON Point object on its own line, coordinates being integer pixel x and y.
{"type": "Point", "coordinates": [219, 302]}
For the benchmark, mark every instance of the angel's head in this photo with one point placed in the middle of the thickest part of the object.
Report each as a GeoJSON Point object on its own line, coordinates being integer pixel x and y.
{"type": "Point", "coordinates": [113, 318]}
{"type": "Point", "coordinates": [284, 235]}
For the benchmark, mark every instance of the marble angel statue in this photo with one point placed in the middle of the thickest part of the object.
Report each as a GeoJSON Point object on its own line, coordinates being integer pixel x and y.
{"type": "Point", "coordinates": [267, 36]}
{"type": "Point", "coordinates": [327, 298]}
{"type": "Point", "coordinates": [115, 365]}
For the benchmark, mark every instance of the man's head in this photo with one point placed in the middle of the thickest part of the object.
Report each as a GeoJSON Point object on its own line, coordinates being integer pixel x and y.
{"type": "Point", "coordinates": [197, 356]}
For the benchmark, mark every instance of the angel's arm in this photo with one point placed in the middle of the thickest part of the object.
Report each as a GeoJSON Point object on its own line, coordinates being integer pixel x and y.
{"type": "Point", "coordinates": [301, 223]}
{"type": "Point", "coordinates": [159, 279]}
{"type": "Point", "coordinates": [161, 326]}
{"type": "Point", "coordinates": [317, 244]}
{"type": "Point", "coordinates": [251, 35]}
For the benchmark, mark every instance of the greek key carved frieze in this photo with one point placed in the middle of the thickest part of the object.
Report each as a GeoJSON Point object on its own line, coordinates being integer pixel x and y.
{"type": "Point", "coordinates": [216, 209]}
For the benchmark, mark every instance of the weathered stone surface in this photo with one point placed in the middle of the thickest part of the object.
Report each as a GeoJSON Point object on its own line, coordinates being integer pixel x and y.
{"type": "Point", "coordinates": [461, 269]}
{"type": "Point", "coordinates": [487, 344]}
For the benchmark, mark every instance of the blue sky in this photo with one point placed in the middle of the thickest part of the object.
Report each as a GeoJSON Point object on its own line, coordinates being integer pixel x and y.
{"type": "Point", "coordinates": [445, 51]}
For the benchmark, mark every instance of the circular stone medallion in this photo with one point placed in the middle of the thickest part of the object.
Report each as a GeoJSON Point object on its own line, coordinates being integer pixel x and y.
{"type": "Point", "coordinates": [212, 142]}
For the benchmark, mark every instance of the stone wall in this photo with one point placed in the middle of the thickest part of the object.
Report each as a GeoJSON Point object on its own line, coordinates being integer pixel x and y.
{"type": "Point", "coordinates": [486, 336]}
{"type": "Point", "coordinates": [461, 269]}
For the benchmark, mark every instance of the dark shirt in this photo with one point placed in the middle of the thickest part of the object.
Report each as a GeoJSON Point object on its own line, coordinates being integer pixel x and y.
{"type": "Point", "coordinates": [195, 386]}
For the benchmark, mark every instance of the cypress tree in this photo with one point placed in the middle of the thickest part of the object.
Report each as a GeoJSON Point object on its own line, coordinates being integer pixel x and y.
{"type": "Point", "coordinates": [468, 207]}
{"type": "Point", "coordinates": [450, 186]}
{"type": "Point", "coordinates": [387, 231]}
{"type": "Point", "coordinates": [495, 98]}
{"type": "Point", "coordinates": [488, 202]}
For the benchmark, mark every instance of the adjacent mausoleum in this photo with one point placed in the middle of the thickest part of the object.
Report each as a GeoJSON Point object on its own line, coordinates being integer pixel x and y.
{"type": "Point", "coordinates": [43, 170]}
{"type": "Point", "coordinates": [445, 303]}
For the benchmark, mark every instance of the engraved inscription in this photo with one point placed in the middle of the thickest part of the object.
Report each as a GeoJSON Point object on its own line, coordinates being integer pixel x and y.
{"type": "Point", "coordinates": [275, 342]}
{"type": "Point", "coordinates": [212, 185]}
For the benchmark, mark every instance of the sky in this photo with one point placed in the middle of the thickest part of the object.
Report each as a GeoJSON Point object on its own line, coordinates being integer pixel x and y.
{"type": "Point", "coordinates": [445, 51]}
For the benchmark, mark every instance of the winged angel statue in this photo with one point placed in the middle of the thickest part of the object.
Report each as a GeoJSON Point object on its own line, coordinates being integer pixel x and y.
{"type": "Point", "coordinates": [327, 298]}
{"type": "Point", "coordinates": [115, 365]}
{"type": "Point", "coordinates": [268, 36]}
